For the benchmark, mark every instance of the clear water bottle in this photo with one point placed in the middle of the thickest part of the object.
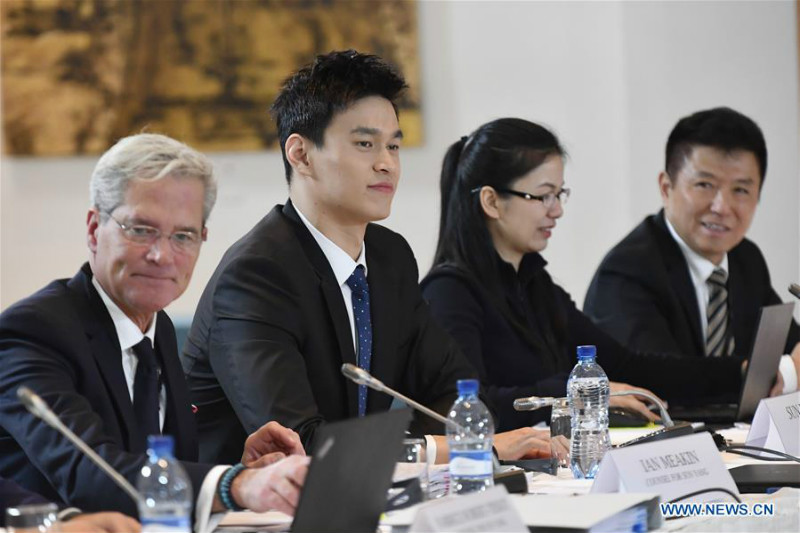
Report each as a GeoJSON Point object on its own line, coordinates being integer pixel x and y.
{"type": "Point", "coordinates": [587, 394]}
{"type": "Point", "coordinates": [471, 444]}
{"type": "Point", "coordinates": [166, 490]}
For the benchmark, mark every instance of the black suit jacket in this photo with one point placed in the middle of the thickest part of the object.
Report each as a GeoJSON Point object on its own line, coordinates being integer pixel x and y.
{"type": "Point", "coordinates": [643, 295]}
{"type": "Point", "coordinates": [12, 495]}
{"type": "Point", "coordinates": [528, 348]}
{"type": "Point", "coordinates": [271, 333]}
{"type": "Point", "coordinates": [61, 343]}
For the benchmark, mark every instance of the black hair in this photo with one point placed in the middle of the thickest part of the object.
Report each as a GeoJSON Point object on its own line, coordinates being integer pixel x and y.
{"type": "Point", "coordinates": [310, 97]}
{"type": "Point", "coordinates": [721, 128]}
{"type": "Point", "coordinates": [496, 154]}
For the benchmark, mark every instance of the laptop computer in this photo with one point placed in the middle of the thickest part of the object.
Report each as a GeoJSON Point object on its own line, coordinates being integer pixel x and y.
{"type": "Point", "coordinates": [763, 478]}
{"type": "Point", "coordinates": [767, 349]}
{"type": "Point", "coordinates": [350, 473]}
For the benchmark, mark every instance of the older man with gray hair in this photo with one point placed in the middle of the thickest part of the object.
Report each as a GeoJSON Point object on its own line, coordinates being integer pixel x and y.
{"type": "Point", "coordinates": [100, 350]}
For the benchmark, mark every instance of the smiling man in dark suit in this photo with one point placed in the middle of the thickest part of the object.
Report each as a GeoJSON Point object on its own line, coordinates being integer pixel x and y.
{"type": "Point", "coordinates": [316, 284]}
{"type": "Point", "coordinates": [686, 280]}
{"type": "Point", "coordinates": [99, 349]}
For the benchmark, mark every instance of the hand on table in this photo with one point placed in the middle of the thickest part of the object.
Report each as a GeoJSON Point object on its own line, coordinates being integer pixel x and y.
{"type": "Point", "coordinates": [269, 444]}
{"type": "Point", "coordinates": [100, 523]}
{"type": "Point", "coordinates": [777, 388]}
{"type": "Point", "coordinates": [560, 446]}
{"type": "Point", "coordinates": [638, 404]}
{"type": "Point", "coordinates": [276, 486]}
{"type": "Point", "coordinates": [523, 443]}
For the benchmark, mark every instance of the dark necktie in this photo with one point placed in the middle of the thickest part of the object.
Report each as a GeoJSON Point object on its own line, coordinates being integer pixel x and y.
{"type": "Point", "coordinates": [719, 342]}
{"type": "Point", "coordinates": [145, 390]}
{"type": "Point", "coordinates": [360, 289]}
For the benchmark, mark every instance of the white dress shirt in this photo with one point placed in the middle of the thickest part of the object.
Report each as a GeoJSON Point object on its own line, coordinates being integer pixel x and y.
{"type": "Point", "coordinates": [130, 335]}
{"type": "Point", "coordinates": [342, 265]}
{"type": "Point", "coordinates": [700, 269]}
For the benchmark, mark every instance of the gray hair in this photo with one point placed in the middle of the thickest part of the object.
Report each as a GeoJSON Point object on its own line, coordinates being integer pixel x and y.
{"type": "Point", "coordinates": [148, 156]}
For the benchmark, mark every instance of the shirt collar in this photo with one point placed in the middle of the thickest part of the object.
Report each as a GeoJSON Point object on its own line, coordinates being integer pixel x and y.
{"type": "Point", "coordinates": [341, 262]}
{"type": "Point", "coordinates": [530, 265]}
{"type": "Point", "coordinates": [128, 333]}
{"type": "Point", "coordinates": [700, 267]}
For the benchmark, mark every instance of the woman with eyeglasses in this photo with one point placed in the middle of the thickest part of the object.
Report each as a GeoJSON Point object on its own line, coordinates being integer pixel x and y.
{"type": "Point", "coordinates": [502, 194]}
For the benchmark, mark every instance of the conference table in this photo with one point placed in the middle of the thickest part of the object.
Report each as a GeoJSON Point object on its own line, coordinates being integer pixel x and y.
{"type": "Point", "coordinates": [786, 501]}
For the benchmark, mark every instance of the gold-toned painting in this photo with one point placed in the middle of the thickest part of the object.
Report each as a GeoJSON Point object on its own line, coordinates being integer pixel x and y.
{"type": "Point", "coordinates": [79, 74]}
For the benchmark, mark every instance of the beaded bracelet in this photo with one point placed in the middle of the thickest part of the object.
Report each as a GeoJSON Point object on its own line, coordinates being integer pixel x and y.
{"type": "Point", "coordinates": [224, 488]}
{"type": "Point", "coordinates": [68, 514]}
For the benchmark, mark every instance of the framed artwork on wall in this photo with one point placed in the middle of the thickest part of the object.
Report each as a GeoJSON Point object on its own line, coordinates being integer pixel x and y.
{"type": "Point", "coordinates": [79, 74]}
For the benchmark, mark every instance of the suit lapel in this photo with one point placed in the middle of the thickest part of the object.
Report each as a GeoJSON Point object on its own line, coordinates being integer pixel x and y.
{"type": "Point", "coordinates": [344, 337]}
{"type": "Point", "coordinates": [744, 324]}
{"type": "Point", "coordinates": [681, 281]}
{"type": "Point", "coordinates": [179, 420]}
{"type": "Point", "coordinates": [682, 285]}
{"type": "Point", "coordinates": [332, 295]}
{"type": "Point", "coordinates": [106, 351]}
{"type": "Point", "coordinates": [381, 282]}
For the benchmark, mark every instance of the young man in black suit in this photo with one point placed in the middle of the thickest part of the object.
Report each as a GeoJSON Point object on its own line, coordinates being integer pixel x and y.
{"type": "Point", "coordinates": [316, 284]}
{"type": "Point", "coordinates": [101, 352]}
{"type": "Point", "coordinates": [686, 280]}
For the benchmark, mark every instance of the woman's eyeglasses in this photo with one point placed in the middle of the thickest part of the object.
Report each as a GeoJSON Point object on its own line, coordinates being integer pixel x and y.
{"type": "Point", "coordinates": [548, 200]}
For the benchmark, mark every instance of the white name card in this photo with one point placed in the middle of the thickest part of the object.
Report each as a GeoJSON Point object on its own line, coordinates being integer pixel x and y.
{"type": "Point", "coordinates": [491, 510]}
{"type": "Point", "coordinates": [671, 468]}
{"type": "Point", "coordinates": [776, 424]}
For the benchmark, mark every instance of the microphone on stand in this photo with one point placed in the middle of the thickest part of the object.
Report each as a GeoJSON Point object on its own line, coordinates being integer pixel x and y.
{"type": "Point", "coordinates": [794, 288]}
{"type": "Point", "coordinates": [40, 409]}
{"type": "Point", "coordinates": [514, 480]}
{"type": "Point", "coordinates": [662, 410]}
{"type": "Point", "coordinates": [362, 377]}
{"type": "Point", "coordinates": [532, 403]}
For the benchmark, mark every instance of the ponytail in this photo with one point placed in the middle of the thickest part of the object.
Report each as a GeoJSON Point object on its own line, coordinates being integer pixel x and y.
{"type": "Point", "coordinates": [448, 188]}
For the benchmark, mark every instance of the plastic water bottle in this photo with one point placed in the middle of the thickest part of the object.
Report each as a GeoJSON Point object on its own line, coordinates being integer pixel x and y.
{"type": "Point", "coordinates": [166, 490]}
{"type": "Point", "coordinates": [471, 444]}
{"type": "Point", "coordinates": [588, 393]}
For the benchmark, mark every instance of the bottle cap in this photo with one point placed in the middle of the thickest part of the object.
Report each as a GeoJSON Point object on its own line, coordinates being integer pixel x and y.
{"type": "Point", "coordinates": [467, 386]}
{"type": "Point", "coordinates": [588, 352]}
{"type": "Point", "coordinates": [160, 445]}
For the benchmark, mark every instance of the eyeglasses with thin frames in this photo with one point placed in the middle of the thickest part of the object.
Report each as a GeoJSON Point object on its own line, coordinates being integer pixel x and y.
{"type": "Point", "coordinates": [181, 241]}
{"type": "Point", "coordinates": [548, 200]}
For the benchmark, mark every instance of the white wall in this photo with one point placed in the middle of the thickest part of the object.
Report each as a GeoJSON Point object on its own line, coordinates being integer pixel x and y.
{"type": "Point", "coordinates": [686, 56]}
{"type": "Point", "coordinates": [611, 79]}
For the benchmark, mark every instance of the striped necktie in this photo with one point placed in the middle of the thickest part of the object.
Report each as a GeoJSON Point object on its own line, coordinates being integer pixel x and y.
{"type": "Point", "coordinates": [719, 341]}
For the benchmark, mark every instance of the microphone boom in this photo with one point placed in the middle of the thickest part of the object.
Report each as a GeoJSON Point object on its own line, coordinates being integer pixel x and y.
{"type": "Point", "coordinates": [362, 377]}
{"type": "Point", "coordinates": [39, 408]}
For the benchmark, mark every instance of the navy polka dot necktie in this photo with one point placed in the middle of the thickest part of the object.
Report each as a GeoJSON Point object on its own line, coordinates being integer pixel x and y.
{"type": "Point", "coordinates": [360, 289]}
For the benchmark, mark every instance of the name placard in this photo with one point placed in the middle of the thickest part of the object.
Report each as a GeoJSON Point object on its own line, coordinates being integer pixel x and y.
{"type": "Point", "coordinates": [491, 510]}
{"type": "Point", "coordinates": [671, 468]}
{"type": "Point", "coordinates": [776, 424]}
